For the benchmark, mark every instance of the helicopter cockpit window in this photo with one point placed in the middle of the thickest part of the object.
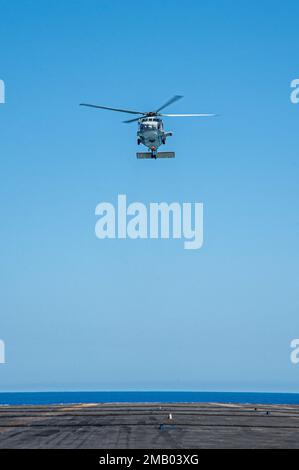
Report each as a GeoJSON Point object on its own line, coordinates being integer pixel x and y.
{"type": "Point", "coordinates": [146, 126]}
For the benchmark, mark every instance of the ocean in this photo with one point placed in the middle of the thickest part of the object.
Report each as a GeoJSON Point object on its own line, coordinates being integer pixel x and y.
{"type": "Point", "coordinates": [51, 398]}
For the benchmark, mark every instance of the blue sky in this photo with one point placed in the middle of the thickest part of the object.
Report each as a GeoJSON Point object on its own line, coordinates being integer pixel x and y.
{"type": "Point", "coordinates": [81, 313]}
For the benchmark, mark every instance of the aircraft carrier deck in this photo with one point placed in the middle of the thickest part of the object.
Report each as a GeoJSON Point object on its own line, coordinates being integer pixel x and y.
{"type": "Point", "coordinates": [149, 426]}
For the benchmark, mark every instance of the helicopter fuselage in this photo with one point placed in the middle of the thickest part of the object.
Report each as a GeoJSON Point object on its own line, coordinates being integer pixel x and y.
{"type": "Point", "coordinates": [151, 133]}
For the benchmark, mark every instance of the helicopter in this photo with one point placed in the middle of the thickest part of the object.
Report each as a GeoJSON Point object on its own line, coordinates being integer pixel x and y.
{"type": "Point", "coordinates": [151, 131]}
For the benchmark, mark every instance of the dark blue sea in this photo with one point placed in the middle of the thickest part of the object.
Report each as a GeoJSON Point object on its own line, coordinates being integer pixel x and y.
{"type": "Point", "coordinates": [50, 398]}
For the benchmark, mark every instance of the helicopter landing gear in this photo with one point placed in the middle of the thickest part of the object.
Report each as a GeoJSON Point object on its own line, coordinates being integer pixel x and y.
{"type": "Point", "coordinates": [154, 152]}
{"type": "Point", "coordinates": [138, 141]}
{"type": "Point", "coordinates": [163, 141]}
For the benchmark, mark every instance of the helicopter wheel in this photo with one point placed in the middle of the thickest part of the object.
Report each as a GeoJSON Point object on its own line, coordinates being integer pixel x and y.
{"type": "Point", "coordinates": [138, 141]}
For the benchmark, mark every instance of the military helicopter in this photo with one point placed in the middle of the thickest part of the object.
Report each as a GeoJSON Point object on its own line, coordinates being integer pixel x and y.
{"type": "Point", "coordinates": [151, 132]}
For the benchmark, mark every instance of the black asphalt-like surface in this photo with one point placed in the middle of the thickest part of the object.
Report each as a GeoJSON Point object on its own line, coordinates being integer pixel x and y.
{"type": "Point", "coordinates": [133, 426]}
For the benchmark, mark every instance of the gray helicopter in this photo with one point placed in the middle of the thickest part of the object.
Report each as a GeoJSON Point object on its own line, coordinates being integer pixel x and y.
{"type": "Point", "coordinates": [151, 132]}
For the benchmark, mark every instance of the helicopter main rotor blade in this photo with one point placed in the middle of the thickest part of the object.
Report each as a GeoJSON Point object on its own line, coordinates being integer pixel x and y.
{"type": "Point", "coordinates": [112, 109]}
{"type": "Point", "coordinates": [189, 115]}
{"type": "Point", "coordinates": [174, 115]}
{"type": "Point", "coordinates": [131, 120]}
{"type": "Point", "coordinates": [172, 100]}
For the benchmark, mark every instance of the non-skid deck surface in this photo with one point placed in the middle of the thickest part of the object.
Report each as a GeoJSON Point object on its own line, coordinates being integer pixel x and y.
{"type": "Point", "coordinates": [129, 426]}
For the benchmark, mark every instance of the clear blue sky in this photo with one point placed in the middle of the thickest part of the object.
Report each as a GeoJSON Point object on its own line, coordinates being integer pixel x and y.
{"type": "Point", "coordinates": [80, 313]}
